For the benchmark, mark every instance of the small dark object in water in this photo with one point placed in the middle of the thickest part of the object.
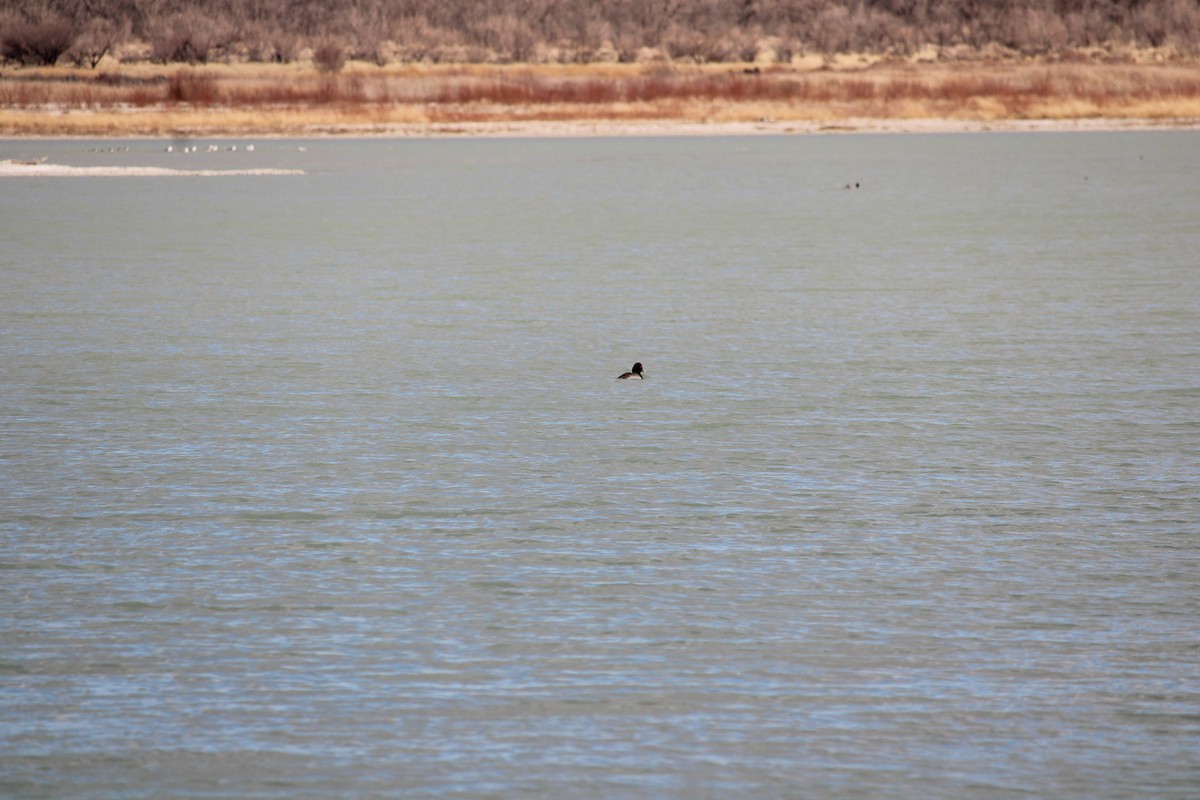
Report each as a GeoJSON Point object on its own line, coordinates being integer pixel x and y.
{"type": "Point", "coordinates": [635, 375]}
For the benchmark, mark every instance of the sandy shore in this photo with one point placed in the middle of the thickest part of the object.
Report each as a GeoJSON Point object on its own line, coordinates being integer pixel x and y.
{"type": "Point", "coordinates": [611, 128]}
{"type": "Point", "coordinates": [664, 128]}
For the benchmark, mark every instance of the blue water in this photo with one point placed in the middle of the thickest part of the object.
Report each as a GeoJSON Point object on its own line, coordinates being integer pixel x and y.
{"type": "Point", "coordinates": [321, 485]}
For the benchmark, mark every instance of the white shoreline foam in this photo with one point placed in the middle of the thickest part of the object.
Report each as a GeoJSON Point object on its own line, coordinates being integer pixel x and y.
{"type": "Point", "coordinates": [11, 169]}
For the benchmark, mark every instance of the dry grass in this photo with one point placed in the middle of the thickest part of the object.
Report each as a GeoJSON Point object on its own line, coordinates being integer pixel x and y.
{"type": "Point", "coordinates": [263, 99]}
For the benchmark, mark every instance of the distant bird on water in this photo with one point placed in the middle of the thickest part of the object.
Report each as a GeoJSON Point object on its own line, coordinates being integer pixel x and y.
{"type": "Point", "coordinates": [636, 375]}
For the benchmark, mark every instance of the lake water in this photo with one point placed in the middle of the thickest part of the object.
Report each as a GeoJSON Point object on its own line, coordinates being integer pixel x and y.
{"type": "Point", "coordinates": [321, 485]}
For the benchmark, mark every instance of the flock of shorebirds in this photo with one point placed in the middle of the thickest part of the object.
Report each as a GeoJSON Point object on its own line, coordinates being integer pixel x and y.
{"type": "Point", "coordinates": [212, 148]}
{"type": "Point", "coordinates": [187, 148]}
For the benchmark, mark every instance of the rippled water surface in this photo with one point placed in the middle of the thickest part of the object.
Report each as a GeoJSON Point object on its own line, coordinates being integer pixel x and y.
{"type": "Point", "coordinates": [321, 485]}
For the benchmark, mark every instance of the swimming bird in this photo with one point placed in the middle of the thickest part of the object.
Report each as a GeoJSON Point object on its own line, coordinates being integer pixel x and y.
{"type": "Point", "coordinates": [636, 375]}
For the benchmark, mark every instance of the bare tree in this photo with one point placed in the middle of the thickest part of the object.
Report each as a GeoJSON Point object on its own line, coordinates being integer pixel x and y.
{"type": "Point", "coordinates": [98, 38]}
{"type": "Point", "coordinates": [37, 43]}
{"type": "Point", "coordinates": [188, 36]}
{"type": "Point", "coordinates": [195, 31]}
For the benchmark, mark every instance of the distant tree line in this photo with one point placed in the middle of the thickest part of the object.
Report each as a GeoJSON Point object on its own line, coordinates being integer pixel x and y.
{"type": "Point", "coordinates": [199, 31]}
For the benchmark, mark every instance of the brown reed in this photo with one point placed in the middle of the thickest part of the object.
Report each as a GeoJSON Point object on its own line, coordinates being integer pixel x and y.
{"type": "Point", "coordinates": [136, 100]}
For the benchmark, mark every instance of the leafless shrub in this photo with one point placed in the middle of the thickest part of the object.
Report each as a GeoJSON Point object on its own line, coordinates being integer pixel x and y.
{"type": "Point", "coordinates": [189, 36]}
{"type": "Point", "coordinates": [266, 44]}
{"type": "Point", "coordinates": [370, 28]}
{"type": "Point", "coordinates": [285, 47]}
{"type": "Point", "coordinates": [98, 38]}
{"type": "Point", "coordinates": [786, 50]}
{"type": "Point", "coordinates": [1174, 23]}
{"type": "Point", "coordinates": [197, 31]}
{"type": "Point", "coordinates": [683, 43]}
{"type": "Point", "coordinates": [589, 35]}
{"type": "Point", "coordinates": [414, 38]}
{"type": "Point", "coordinates": [905, 39]}
{"type": "Point", "coordinates": [329, 56]}
{"type": "Point", "coordinates": [257, 43]}
{"type": "Point", "coordinates": [37, 43]}
{"type": "Point", "coordinates": [372, 49]}
{"type": "Point", "coordinates": [1034, 32]}
{"type": "Point", "coordinates": [831, 30]}
{"type": "Point", "coordinates": [1088, 27]}
{"type": "Point", "coordinates": [507, 35]}
{"type": "Point", "coordinates": [626, 46]}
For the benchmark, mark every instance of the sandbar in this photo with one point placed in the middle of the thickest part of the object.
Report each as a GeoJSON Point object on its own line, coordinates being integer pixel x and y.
{"type": "Point", "coordinates": [11, 169]}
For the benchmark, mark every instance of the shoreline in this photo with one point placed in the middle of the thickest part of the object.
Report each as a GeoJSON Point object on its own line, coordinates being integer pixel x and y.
{"type": "Point", "coordinates": [670, 128]}
{"type": "Point", "coordinates": [607, 128]}
{"type": "Point", "coordinates": [576, 129]}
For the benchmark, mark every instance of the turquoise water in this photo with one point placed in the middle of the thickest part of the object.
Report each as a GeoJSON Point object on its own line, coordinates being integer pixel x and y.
{"type": "Point", "coordinates": [322, 486]}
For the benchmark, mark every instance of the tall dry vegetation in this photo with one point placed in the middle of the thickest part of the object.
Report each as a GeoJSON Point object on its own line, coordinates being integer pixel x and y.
{"type": "Point", "coordinates": [244, 99]}
{"type": "Point", "coordinates": [577, 31]}
{"type": "Point", "coordinates": [946, 90]}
